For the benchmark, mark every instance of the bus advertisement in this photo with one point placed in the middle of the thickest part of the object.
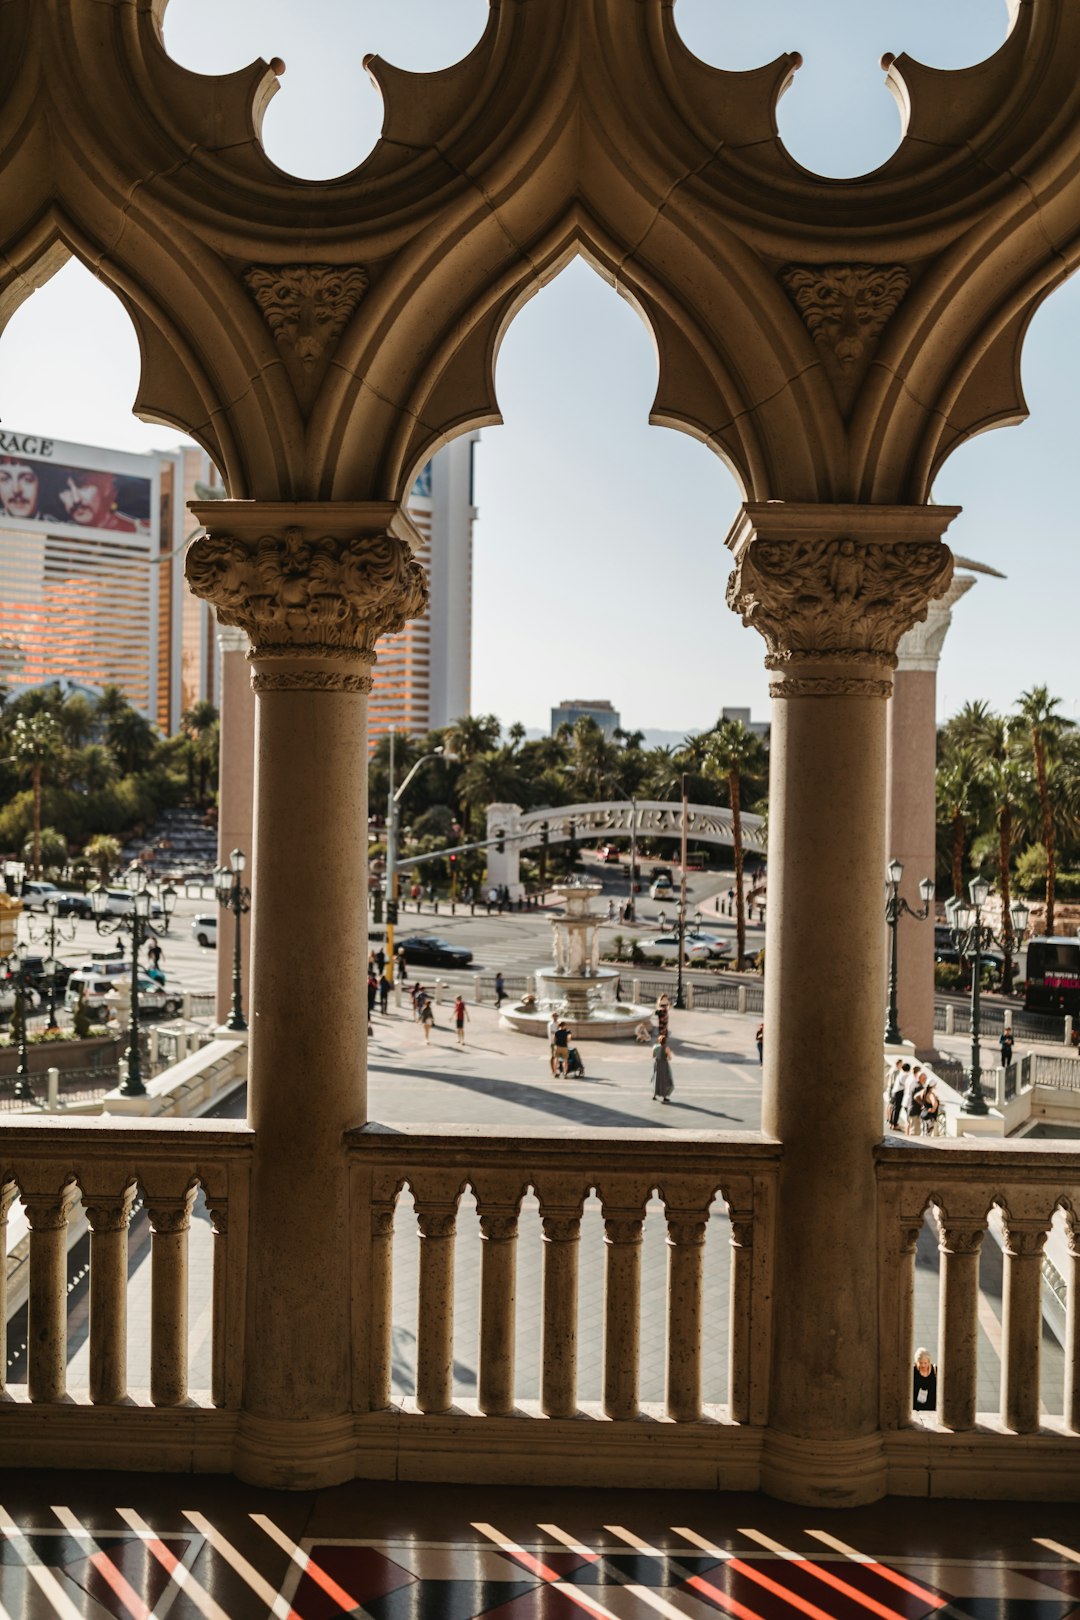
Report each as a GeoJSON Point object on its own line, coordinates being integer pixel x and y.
{"type": "Point", "coordinates": [1053, 976]}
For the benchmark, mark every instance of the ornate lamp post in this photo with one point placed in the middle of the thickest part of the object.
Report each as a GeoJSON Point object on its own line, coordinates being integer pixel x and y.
{"type": "Point", "coordinates": [895, 908]}
{"type": "Point", "coordinates": [228, 883]}
{"type": "Point", "coordinates": [972, 937]}
{"type": "Point", "coordinates": [15, 964]}
{"type": "Point", "coordinates": [51, 932]}
{"type": "Point", "coordinates": [135, 923]}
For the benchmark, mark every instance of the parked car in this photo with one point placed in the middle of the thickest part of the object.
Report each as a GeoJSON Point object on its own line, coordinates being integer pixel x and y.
{"type": "Point", "coordinates": [204, 927]}
{"type": "Point", "coordinates": [119, 904]}
{"type": "Point", "coordinates": [97, 986]}
{"type": "Point", "coordinates": [428, 951]}
{"type": "Point", "coordinates": [667, 946]}
{"type": "Point", "coordinates": [34, 895]}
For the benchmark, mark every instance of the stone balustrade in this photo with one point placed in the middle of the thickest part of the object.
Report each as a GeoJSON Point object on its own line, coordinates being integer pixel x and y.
{"type": "Point", "coordinates": [969, 1184]}
{"type": "Point", "coordinates": [59, 1166]}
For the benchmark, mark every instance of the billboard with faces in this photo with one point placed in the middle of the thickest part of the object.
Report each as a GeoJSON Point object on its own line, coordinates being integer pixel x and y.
{"type": "Point", "coordinates": [45, 482]}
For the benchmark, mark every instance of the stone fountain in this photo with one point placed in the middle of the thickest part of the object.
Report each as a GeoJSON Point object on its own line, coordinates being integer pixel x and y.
{"type": "Point", "coordinates": [576, 988]}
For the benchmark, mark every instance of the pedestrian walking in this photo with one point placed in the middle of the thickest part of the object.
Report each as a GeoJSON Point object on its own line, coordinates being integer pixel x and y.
{"type": "Point", "coordinates": [380, 958]}
{"type": "Point", "coordinates": [1005, 1041]}
{"type": "Point", "coordinates": [894, 1096]}
{"type": "Point", "coordinates": [384, 988]}
{"type": "Point", "coordinates": [427, 1019]}
{"type": "Point", "coordinates": [929, 1106]}
{"type": "Point", "coordinates": [402, 965]}
{"type": "Point", "coordinates": [416, 995]}
{"type": "Point", "coordinates": [153, 951]}
{"type": "Point", "coordinates": [500, 990]}
{"type": "Point", "coordinates": [760, 1039]}
{"type": "Point", "coordinates": [662, 1083]}
{"type": "Point", "coordinates": [562, 1047]}
{"type": "Point", "coordinates": [372, 993]}
{"type": "Point", "coordinates": [663, 1015]}
{"type": "Point", "coordinates": [552, 1031]}
{"type": "Point", "coordinates": [460, 1017]}
{"type": "Point", "coordinates": [911, 1085]}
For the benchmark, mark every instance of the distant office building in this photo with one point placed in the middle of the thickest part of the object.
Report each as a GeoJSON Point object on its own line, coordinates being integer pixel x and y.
{"type": "Point", "coordinates": [760, 728]}
{"type": "Point", "coordinates": [423, 676]}
{"type": "Point", "coordinates": [92, 587]}
{"type": "Point", "coordinates": [571, 710]}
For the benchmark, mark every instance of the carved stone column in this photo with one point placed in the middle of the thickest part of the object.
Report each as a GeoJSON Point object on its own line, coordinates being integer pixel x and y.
{"type": "Point", "coordinates": [1021, 1322]}
{"type": "Point", "coordinates": [832, 589]}
{"type": "Point", "coordinates": [236, 792]}
{"type": "Point", "coordinates": [959, 1244]}
{"type": "Point", "coordinates": [911, 834]}
{"type": "Point", "coordinates": [1072, 1329]}
{"type": "Point", "coordinates": [313, 586]}
{"type": "Point", "coordinates": [108, 1214]}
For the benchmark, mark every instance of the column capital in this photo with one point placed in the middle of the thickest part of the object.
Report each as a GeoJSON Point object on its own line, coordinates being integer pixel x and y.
{"type": "Point", "coordinates": [833, 588]}
{"type": "Point", "coordinates": [920, 647]}
{"type": "Point", "coordinates": [313, 584]}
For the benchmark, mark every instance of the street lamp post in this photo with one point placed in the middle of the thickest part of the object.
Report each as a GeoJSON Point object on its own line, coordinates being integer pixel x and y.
{"type": "Point", "coordinates": [680, 998]}
{"type": "Point", "coordinates": [136, 924]}
{"type": "Point", "coordinates": [631, 912]}
{"type": "Point", "coordinates": [895, 908]}
{"type": "Point", "coordinates": [51, 932]}
{"type": "Point", "coordinates": [234, 897]}
{"type": "Point", "coordinates": [392, 799]}
{"type": "Point", "coordinates": [15, 964]}
{"type": "Point", "coordinates": [972, 938]}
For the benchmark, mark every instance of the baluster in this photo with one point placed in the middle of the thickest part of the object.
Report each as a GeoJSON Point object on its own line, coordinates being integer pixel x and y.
{"type": "Point", "coordinates": [382, 1303]}
{"type": "Point", "coordinates": [47, 1217]}
{"type": "Point", "coordinates": [170, 1221]}
{"type": "Point", "coordinates": [8, 1190]}
{"type": "Point", "coordinates": [108, 1214]}
{"type": "Point", "coordinates": [686, 1271]}
{"type": "Point", "coordinates": [498, 1301]}
{"type": "Point", "coordinates": [1021, 1325]}
{"type": "Point", "coordinates": [219, 1225]}
{"type": "Point", "coordinates": [561, 1217]}
{"type": "Point", "coordinates": [741, 1306]}
{"type": "Point", "coordinates": [959, 1243]}
{"type": "Point", "coordinates": [622, 1308]}
{"type": "Point", "coordinates": [896, 1385]}
{"type": "Point", "coordinates": [1072, 1330]}
{"type": "Point", "coordinates": [437, 1222]}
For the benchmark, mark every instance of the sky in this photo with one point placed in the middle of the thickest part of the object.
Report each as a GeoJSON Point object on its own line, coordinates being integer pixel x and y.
{"type": "Point", "coordinates": [599, 565]}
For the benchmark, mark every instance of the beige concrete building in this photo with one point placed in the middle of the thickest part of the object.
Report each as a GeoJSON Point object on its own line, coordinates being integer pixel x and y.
{"type": "Point", "coordinates": [833, 341]}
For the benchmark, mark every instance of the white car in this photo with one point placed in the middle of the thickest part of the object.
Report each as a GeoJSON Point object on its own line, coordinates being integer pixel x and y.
{"type": "Point", "coordinates": [35, 895]}
{"type": "Point", "coordinates": [696, 949]}
{"type": "Point", "coordinates": [661, 888]}
{"type": "Point", "coordinates": [119, 903]}
{"type": "Point", "coordinates": [97, 987]}
{"type": "Point", "coordinates": [204, 927]}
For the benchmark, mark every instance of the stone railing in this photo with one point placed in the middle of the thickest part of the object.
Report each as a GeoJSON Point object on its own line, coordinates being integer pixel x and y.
{"type": "Point", "coordinates": [691, 1435]}
{"type": "Point", "coordinates": [968, 1184]}
{"type": "Point", "coordinates": [56, 1165]}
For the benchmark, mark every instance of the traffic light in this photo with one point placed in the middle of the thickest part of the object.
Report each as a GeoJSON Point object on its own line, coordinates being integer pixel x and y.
{"type": "Point", "coordinates": [391, 911]}
{"type": "Point", "coordinates": [544, 832]}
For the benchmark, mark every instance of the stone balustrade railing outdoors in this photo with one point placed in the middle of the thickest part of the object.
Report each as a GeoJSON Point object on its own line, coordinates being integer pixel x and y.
{"type": "Point", "coordinates": [420, 1188]}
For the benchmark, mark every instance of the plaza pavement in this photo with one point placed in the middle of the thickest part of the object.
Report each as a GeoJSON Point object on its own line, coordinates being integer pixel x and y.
{"type": "Point", "coordinates": [502, 1079]}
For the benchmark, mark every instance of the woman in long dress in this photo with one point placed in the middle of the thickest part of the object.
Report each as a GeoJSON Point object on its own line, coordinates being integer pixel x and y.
{"type": "Point", "coordinates": [663, 1085]}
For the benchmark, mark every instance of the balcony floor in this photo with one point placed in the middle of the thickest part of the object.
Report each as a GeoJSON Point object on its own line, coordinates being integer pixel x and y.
{"type": "Point", "coordinates": [80, 1545]}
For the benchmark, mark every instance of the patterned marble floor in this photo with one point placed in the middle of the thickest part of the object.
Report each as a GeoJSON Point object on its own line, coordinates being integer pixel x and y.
{"type": "Point", "coordinates": [76, 1547]}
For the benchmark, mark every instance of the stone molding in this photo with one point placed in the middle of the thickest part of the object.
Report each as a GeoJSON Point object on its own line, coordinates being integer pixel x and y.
{"type": "Point", "coordinates": [833, 588]}
{"type": "Point", "coordinates": [846, 306]}
{"type": "Point", "coordinates": [312, 585]}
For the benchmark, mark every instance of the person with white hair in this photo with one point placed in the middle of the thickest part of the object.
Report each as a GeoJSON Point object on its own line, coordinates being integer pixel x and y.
{"type": "Point", "coordinates": [924, 1382]}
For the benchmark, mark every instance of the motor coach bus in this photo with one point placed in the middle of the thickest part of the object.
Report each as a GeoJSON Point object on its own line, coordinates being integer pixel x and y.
{"type": "Point", "coordinates": [1053, 976]}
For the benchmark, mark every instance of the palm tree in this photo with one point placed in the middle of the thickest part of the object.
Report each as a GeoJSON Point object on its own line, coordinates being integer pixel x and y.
{"type": "Point", "coordinates": [77, 720]}
{"type": "Point", "coordinates": [36, 748]}
{"type": "Point", "coordinates": [489, 778]}
{"type": "Point", "coordinates": [468, 736]}
{"type": "Point", "coordinates": [958, 786]}
{"type": "Point", "coordinates": [103, 853]}
{"type": "Point", "coordinates": [94, 767]}
{"type": "Point", "coordinates": [730, 752]}
{"type": "Point", "coordinates": [1037, 712]}
{"type": "Point", "coordinates": [1001, 773]}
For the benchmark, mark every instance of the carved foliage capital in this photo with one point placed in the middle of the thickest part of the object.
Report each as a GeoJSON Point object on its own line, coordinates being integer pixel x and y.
{"type": "Point", "coordinates": [1023, 1239]}
{"type": "Point", "coordinates": [296, 592]}
{"type": "Point", "coordinates": [954, 1238]}
{"type": "Point", "coordinates": [839, 586]}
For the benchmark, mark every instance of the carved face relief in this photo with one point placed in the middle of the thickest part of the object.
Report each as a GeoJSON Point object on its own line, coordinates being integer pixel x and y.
{"type": "Point", "coordinates": [846, 306]}
{"type": "Point", "coordinates": [307, 305]}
